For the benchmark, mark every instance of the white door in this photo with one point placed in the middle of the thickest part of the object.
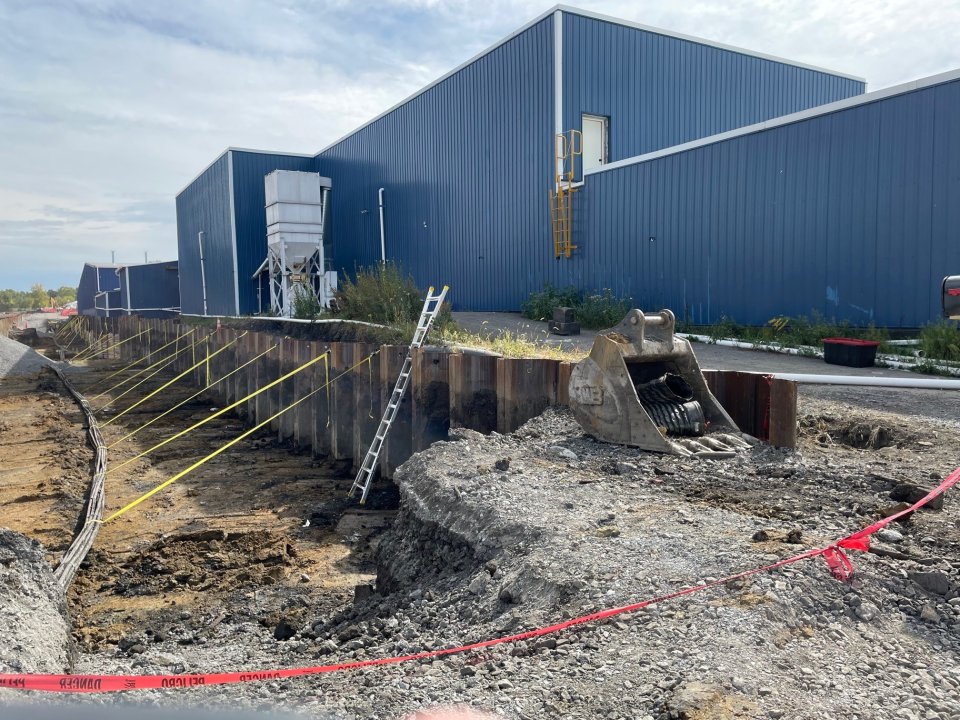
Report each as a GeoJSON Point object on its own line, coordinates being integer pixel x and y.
{"type": "Point", "coordinates": [594, 141]}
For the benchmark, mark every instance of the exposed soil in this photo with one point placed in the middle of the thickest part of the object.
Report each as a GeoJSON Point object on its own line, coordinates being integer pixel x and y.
{"type": "Point", "coordinates": [261, 518]}
{"type": "Point", "coordinates": [44, 460]}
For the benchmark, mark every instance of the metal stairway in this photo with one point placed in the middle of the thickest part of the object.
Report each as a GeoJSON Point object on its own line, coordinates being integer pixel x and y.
{"type": "Point", "coordinates": [431, 307]}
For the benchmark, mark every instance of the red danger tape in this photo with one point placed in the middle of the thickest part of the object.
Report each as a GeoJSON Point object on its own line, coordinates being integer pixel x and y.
{"type": "Point", "coordinates": [839, 564]}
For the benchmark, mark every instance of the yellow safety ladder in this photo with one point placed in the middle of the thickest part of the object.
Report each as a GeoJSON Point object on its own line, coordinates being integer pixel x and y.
{"type": "Point", "coordinates": [567, 148]}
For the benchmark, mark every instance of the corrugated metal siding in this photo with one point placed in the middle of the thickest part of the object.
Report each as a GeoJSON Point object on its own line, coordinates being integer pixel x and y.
{"type": "Point", "coordinates": [205, 206]}
{"type": "Point", "coordinates": [86, 289]}
{"type": "Point", "coordinates": [466, 166]}
{"type": "Point", "coordinates": [852, 215]}
{"type": "Point", "coordinates": [108, 279]}
{"type": "Point", "coordinates": [249, 170]}
{"type": "Point", "coordinates": [107, 304]}
{"type": "Point", "coordinates": [151, 286]}
{"type": "Point", "coordinates": [660, 91]}
{"type": "Point", "coordinates": [93, 280]}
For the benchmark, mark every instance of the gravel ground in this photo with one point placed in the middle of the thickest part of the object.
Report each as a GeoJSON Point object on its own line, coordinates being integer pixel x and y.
{"type": "Point", "coordinates": [34, 623]}
{"type": "Point", "coordinates": [497, 534]}
{"type": "Point", "coordinates": [17, 359]}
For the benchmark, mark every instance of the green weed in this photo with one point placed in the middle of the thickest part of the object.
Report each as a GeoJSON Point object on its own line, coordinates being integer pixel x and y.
{"type": "Point", "coordinates": [540, 304]}
{"type": "Point", "coordinates": [941, 340]}
{"type": "Point", "coordinates": [593, 310]}
{"type": "Point", "coordinates": [386, 295]}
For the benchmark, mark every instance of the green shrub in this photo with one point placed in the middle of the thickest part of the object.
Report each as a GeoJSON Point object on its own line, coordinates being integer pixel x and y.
{"type": "Point", "coordinates": [601, 310]}
{"type": "Point", "coordinates": [540, 305]}
{"type": "Point", "coordinates": [941, 340]}
{"type": "Point", "coordinates": [305, 304]}
{"type": "Point", "coordinates": [386, 295]}
{"type": "Point", "coordinates": [594, 311]}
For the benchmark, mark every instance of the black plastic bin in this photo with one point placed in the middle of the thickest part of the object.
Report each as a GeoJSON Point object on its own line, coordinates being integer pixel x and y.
{"type": "Point", "coordinates": [850, 352]}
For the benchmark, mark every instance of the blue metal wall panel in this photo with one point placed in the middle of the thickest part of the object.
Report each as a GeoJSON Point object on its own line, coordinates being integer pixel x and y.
{"type": "Point", "coordinates": [466, 167]}
{"type": "Point", "coordinates": [86, 289]}
{"type": "Point", "coordinates": [107, 304]}
{"type": "Point", "coordinates": [660, 91]}
{"type": "Point", "coordinates": [852, 215]}
{"type": "Point", "coordinates": [467, 164]}
{"type": "Point", "coordinates": [204, 206]}
{"type": "Point", "coordinates": [95, 279]}
{"type": "Point", "coordinates": [249, 170]}
{"type": "Point", "coordinates": [151, 289]}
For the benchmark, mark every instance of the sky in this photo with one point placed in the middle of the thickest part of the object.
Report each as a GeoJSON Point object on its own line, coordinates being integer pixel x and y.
{"type": "Point", "coordinates": [108, 108]}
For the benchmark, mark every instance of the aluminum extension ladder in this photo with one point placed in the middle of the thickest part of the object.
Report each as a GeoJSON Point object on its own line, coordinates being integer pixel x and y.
{"type": "Point", "coordinates": [431, 307]}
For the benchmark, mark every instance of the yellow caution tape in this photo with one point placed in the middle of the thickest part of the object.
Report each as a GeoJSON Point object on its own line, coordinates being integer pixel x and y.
{"type": "Point", "coordinates": [195, 395]}
{"type": "Point", "coordinates": [226, 446]}
{"type": "Point", "coordinates": [326, 369]}
{"type": "Point", "coordinates": [171, 382]}
{"type": "Point", "coordinates": [220, 412]}
{"type": "Point", "coordinates": [169, 360]}
{"type": "Point", "coordinates": [124, 369]}
{"type": "Point", "coordinates": [143, 370]}
{"type": "Point", "coordinates": [79, 355]}
{"type": "Point", "coordinates": [115, 345]}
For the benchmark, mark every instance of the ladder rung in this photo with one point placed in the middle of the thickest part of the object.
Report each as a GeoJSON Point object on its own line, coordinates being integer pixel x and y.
{"type": "Point", "coordinates": [431, 307]}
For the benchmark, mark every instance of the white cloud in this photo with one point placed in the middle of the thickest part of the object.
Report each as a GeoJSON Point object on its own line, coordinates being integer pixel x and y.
{"type": "Point", "coordinates": [109, 107]}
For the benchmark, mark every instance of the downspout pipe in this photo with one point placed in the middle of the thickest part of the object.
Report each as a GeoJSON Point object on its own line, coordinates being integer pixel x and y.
{"type": "Point", "coordinates": [203, 272]}
{"type": "Point", "coordinates": [887, 382]}
{"type": "Point", "coordinates": [383, 242]}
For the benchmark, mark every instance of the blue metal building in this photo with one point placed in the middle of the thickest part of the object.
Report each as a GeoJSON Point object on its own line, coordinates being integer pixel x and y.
{"type": "Point", "coordinates": [466, 164]}
{"type": "Point", "coordinates": [851, 210]}
{"type": "Point", "coordinates": [223, 209]}
{"type": "Point", "coordinates": [714, 180]}
{"type": "Point", "coordinates": [98, 293]}
{"type": "Point", "coordinates": [150, 289]}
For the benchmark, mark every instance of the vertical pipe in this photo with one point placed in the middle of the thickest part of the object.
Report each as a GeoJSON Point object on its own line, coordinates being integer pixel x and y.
{"type": "Point", "coordinates": [324, 297]}
{"type": "Point", "coordinates": [383, 245]}
{"type": "Point", "coordinates": [203, 272]}
{"type": "Point", "coordinates": [285, 299]}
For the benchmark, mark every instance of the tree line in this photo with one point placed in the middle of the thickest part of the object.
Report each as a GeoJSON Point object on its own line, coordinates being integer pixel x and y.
{"type": "Point", "coordinates": [36, 297]}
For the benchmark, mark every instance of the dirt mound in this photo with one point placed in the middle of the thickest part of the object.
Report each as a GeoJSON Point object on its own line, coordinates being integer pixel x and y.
{"type": "Point", "coordinates": [209, 560]}
{"type": "Point", "coordinates": [35, 631]}
{"type": "Point", "coordinates": [830, 430]}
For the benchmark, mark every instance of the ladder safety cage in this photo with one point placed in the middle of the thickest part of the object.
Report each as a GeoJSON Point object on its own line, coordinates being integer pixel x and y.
{"type": "Point", "coordinates": [431, 308]}
{"type": "Point", "coordinates": [567, 148]}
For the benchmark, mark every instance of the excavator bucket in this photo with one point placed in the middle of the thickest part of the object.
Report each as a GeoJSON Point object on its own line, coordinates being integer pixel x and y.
{"type": "Point", "coordinates": [642, 386]}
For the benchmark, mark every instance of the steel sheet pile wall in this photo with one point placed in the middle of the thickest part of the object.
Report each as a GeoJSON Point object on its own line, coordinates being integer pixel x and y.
{"type": "Point", "coordinates": [852, 214]}
{"type": "Point", "coordinates": [466, 166]}
{"type": "Point", "coordinates": [150, 289]}
{"type": "Point", "coordinates": [478, 391]}
{"type": "Point", "coordinates": [340, 417]}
